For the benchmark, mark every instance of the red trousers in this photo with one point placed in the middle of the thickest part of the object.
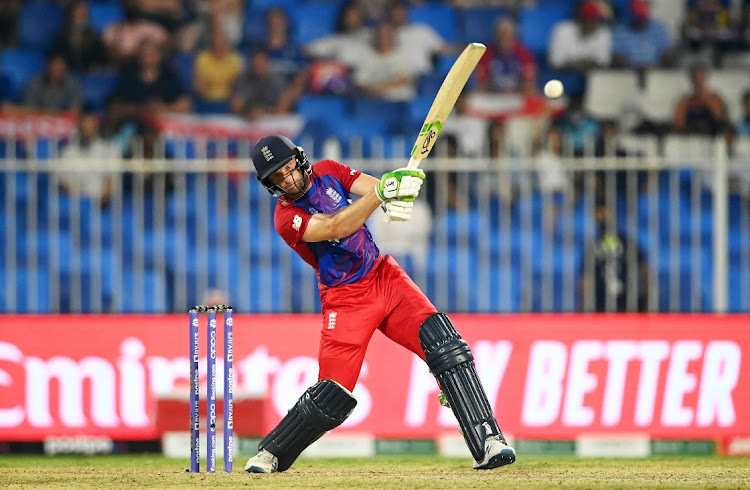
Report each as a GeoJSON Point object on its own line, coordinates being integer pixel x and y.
{"type": "Point", "coordinates": [386, 300]}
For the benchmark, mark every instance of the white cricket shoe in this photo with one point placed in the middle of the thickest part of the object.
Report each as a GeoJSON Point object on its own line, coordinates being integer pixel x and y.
{"type": "Point", "coordinates": [496, 453]}
{"type": "Point", "coordinates": [263, 462]}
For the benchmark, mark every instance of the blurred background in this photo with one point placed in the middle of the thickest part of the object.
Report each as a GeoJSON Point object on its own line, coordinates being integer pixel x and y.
{"type": "Point", "coordinates": [126, 127]}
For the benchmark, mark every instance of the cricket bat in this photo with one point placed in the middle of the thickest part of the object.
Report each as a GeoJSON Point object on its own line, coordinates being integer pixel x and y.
{"type": "Point", "coordinates": [444, 101]}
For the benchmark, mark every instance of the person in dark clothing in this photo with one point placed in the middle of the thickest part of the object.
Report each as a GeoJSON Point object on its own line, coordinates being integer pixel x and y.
{"type": "Point", "coordinates": [613, 261]}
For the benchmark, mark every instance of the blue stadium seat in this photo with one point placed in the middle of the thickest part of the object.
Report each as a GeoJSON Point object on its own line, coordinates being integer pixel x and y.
{"type": "Point", "coordinates": [183, 67]}
{"type": "Point", "coordinates": [442, 18]}
{"type": "Point", "coordinates": [38, 24]}
{"type": "Point", "coordinates": [4, 87]}
{"type": "Point", "coordinates": [210, 107]}
{"type": "Point", "coordinates": [418, 108]}
{"type": "Point", "coordinates": [101, 14]}
{"type": "Point", "coordinates": [429, 83]}
{"type": "Point", "coordinates": [264, 284]}
{"type": "Point", "coordinates": [391, 112]}
{"type": "Point", "coordinates": [32, 291]}
{"type": "Point", "coordinates": [313, 21]}
{"type": "Point", "coordinates": [683, 284]}
{"type": "Point", "coordinates": [323, 107]}
{"type": "Point", "coordinates": [574, 82]}
{"type": "Point", "coordinates": [478, 24]}
{"type": "Point", "coordinates": [262, 5]}
{"type": "Point", "coordinates": [143, 293]}
{"type": "Point", "coordinates": [19, 65]}
{"type": "Point", "coordinates": [738, 289]}
{"type": "Point", "coordinates": [361, 137]}
{"type": "Point", "coordinates": [97, 87]}
{"type": "Point", "coordinates": [444, 64]}
{"type": "Point", "coordinates": [535, 25]}
{"type": "Point", "coordinates": [461, 265]}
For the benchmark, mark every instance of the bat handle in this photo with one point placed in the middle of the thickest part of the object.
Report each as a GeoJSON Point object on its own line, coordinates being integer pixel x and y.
{"type": "Point", "coordinates": [413, 163]}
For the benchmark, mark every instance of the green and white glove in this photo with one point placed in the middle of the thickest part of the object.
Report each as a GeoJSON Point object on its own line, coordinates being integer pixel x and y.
{"type": "Point", "coordinates": [402, 184]}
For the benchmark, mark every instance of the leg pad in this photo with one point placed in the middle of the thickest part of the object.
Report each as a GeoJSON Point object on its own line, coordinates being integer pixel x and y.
{"type": "Point", "coordinates": [452, 364]}
{"type": "Point", "coordinates": [323, 406]}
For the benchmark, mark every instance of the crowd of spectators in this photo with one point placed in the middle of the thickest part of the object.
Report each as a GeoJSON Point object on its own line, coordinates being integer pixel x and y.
{"type": "Point", "coordinates": [234, 58]}
{"type": "Point", "coordinates": [201, 56]}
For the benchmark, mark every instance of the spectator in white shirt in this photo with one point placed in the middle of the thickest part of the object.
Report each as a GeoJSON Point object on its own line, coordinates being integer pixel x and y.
{"type": "Point", "coordinates": [419, 40]}
{"type": "Point", "coordinates": [351, 38]}
{"type": "Point", "coordinates": [583, 43]}
{"type": "Point", "coordinates": [88, 150]}
{"type": "Point", "coordinates": [386, 71]}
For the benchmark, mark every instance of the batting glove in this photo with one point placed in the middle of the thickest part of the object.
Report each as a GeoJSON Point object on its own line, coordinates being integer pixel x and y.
{"type": "Point", "coordinates": [402, 184]}
{"type": "Point", "coordinates": [398, 210]}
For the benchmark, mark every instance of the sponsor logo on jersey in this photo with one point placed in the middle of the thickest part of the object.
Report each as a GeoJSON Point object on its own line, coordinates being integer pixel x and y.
{"type": "Point", "coordinates": [297, 222]}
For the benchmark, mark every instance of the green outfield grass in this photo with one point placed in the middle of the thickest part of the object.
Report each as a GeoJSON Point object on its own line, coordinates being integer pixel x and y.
{"type": "Point", "coordinates": [155, 471]}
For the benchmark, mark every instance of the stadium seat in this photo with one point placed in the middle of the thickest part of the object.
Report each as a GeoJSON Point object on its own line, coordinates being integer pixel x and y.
{"type": "Point", "coordinates": [142, 292]}
{"type": "Point", "coordinates": [39, 24]}
{"type": "Point", "coordinates": [418, 108]}
{"type": "Point", "coordinates": [535, 25]}
{"type": "Point", "coordinates": [313, 21]}
{"type": "Point", "coordinates": [639, 144]}
{"type": "Point", "coordinates": [206, 107]}
{"type": "Point", "coordinates": [610, 92]}
{"type": "Point", "coordinates": [574, 82]}
{"type": "Point", "coordinates": [182, 64]}
{"type": "Point", "coordinates": [443, 64]}
{"type": "Point", "coordinates": [478, 24]}
{"type": "Point", "coordinates": [671, 13]}
{"type": "Point", "coordinates": [4, 86]}
{"type": "Point", "coordinates": [731, 84]}
{"type": "Point", "coordinates": [19, 65]}
{"type": "Point", "coordinates": [680, 148]}
{"type": "Point", "coordinates": [101, 14]}
{"type": "Point", "coordinates": [97, 87]}
{"type": "Point", "coordinates": [442, 18]}
{"type": "Point", "coordinates": [33, 292]}
{"type": "Point", "coordinates": [361, 137]}
{"type": "Point", "coordinates": [663, 88]}
{"type": "Point", "coordinates": [323, 107]}
{"type": "Point", "coordinates": [392, 113]}
{"type": "Point", "coordinates": [459, 293]}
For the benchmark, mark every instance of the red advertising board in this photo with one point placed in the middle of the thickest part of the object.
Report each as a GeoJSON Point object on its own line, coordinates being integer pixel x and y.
{"type": "Point", "coordinates": [548, 376]}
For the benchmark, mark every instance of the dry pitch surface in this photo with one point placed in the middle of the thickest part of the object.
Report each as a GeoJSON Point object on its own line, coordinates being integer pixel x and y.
{"type": "Point", "coordinates": [154, 471]}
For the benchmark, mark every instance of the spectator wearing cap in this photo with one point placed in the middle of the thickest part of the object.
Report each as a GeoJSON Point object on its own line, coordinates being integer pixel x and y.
{"type": "Point", "coordinates": [643, 42]}
{"type": "Point", "coordinates": [583, 43]}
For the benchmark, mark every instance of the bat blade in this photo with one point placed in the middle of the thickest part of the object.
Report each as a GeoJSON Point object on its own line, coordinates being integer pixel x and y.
{"type": "Point", "coordinates": [444, 101]}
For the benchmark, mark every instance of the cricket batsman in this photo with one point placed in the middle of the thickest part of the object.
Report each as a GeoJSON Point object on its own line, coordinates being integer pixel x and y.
{"type": "Point", "coordinates": [361, 291]}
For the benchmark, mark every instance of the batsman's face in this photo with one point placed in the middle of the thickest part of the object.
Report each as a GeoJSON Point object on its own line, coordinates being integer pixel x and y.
{"type": "Point", "coordinates": [289, 179]}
